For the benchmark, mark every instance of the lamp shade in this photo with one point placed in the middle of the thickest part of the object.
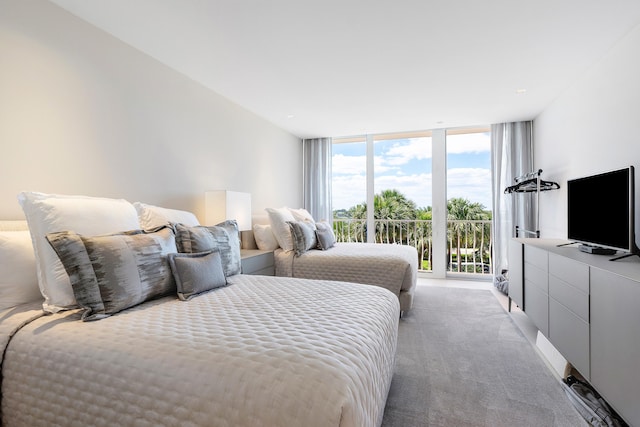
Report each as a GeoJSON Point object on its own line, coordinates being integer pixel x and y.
{"type": "Point", "coordinates": [223, 205]}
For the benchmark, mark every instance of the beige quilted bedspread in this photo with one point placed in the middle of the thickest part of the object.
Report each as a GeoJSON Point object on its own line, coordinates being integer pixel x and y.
{"type": "Point", "coordinates": [394, 267]}
{"type": "Point", "coordinates": [264, 351]}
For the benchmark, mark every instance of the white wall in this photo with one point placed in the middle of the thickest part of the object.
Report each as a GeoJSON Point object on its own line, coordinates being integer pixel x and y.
{"type": "Point", "coordinates": [593, 127]}
{"type": "Point", "coordinates": [83, 113]}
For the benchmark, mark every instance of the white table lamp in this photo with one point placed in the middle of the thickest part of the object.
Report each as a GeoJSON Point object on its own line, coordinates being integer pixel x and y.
{"type": "Point", "coordinates": [223, 205]}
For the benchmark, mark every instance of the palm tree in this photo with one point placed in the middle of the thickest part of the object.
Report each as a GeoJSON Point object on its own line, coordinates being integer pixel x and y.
{"type": "Point", "coordinates": [387, 205]}
{"type": "Point", "coordinates": [423, 235]}
{"type": "Point", "coordinates": [464, 212]}
{"type": "Point", "coordinates": [392, 205]}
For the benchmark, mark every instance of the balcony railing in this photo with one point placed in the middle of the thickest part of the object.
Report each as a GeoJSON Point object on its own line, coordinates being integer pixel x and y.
{"type": "Point", "coordinates": [468, 249]}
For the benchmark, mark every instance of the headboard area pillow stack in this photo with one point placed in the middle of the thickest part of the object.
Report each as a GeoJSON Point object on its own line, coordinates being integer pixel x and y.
{"type": "Point", "coordinates": [101, 254]}
{"type": "Point", "coordinates": [18, 279]}
{"type": "Point", "coordinates": [293, 230]}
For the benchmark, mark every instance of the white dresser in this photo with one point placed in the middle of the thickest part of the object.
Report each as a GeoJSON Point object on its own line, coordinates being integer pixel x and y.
{"type": "Point", "coordinates": [589, 309]}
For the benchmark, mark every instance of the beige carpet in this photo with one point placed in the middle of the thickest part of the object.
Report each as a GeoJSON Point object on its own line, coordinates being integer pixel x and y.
{"type": "Point", "coordinates": [462, 361]}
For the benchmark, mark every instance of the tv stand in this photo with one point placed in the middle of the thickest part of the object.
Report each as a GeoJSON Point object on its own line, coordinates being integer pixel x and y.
{"type": "Point", "coordinates": [587, 307]}
{"type": "Point", "coordinates": [634, 251]}
{"type": "Point", "coordinates": [624, 256]}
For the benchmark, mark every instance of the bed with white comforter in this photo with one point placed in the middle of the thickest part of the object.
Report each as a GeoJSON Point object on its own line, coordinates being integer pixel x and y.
{"type": "Point", "coordinates": [394, 267]}
{"type": "Point", "coordinates": [263, 351]}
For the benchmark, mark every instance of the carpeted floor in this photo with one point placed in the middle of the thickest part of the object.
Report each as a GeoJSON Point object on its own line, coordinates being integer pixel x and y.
{"type": "Point", "coordinates": [461, 361]}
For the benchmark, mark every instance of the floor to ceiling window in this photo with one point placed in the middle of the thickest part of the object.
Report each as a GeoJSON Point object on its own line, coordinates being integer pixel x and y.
{"type": "Point", "coordinates": [349, 188]}
{"type": "Point", "coordinates": [469, 201]}
{"type": "Point", "coordinates": [402, 186]}
{"type": "Point", "coordinates": [383, 191]}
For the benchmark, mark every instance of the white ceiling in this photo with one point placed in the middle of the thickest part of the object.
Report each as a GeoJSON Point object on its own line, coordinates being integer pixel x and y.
{"type": "Point", "coordinates": [350, 67]}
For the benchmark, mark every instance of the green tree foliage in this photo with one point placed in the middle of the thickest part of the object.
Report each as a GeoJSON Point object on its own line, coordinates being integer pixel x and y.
{"type": "Point", "coordinates": [389, 206]}
{"type": "Point", "coordinates": [393, 213]}
{"type": "Point", "coordinates": [462, 209]}
{"type": "Point", "coordinates": [392, 204]}
{"type": "Point", "coordinates": [464, 230]}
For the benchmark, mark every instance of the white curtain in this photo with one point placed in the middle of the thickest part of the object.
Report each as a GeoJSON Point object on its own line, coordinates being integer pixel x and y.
{"type": "Point", "coordinates": [511, 156]}
{"type": "Point", "coordinates": [316, 170]}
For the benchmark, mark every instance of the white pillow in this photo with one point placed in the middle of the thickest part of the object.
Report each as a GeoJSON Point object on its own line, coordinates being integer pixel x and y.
{"type": "Point", "coordinates": [18, 278]}
{"type": "Point", "coordinates": [154, 216]}
{"type": "Point", "coordinates": [48, 213]}
{"type": "Point", "coordinates": [302, 215]}
{"type": "Point", "coordinates": [265, 239]}
{"type": "Point", "coordinates": [279, 227]}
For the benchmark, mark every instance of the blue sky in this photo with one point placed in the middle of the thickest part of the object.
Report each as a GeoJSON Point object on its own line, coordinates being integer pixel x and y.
{"type": "Point", "coordinates": [405, 165]}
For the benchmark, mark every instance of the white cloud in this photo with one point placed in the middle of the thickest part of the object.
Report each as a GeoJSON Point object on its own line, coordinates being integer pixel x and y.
{"type": "Point", "coordinates": [357, 165]}
{"type": "Point", "coordinates": [468, 143]}
{"type": "Point", "coordinates": [349, 172]}
{"type": "Point", "coordinates": [403, 153]}
{"type": "Point", "coordinates": [348, 191]}
{"type": "Point", "coordinates": [473, 184]}
{"type": "Point", "coordinates": [348, 165]}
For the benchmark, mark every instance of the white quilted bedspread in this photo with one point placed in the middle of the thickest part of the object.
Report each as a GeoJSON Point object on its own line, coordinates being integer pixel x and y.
{"type": "Point", "coordinates": [12, 319]}
{"type": "Point", "coordinates": [264, 351]}
{"type": "Point", "coordinates": [394, 267]}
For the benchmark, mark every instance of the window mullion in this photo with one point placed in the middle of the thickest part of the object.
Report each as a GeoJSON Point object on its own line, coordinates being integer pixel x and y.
{"type": "Point", "coordinates": [371, 228]}
{"type": "Point", "coordinates": [439, 200]}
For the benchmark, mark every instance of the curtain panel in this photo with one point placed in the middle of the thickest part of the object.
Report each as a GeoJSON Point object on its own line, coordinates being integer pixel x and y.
{"type": "Point", "coordinates": [511, 156]}
{"type": "Point", "coordinates": [316, 179]}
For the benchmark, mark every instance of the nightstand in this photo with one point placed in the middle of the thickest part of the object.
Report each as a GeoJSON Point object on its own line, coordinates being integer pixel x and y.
{"type": "Point", "coordinates": [255, 261]}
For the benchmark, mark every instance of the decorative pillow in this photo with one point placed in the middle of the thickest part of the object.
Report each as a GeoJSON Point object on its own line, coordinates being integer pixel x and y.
{"type": "Point", "coordinates": [304, 236]}
{"type": "Point", "coordinates": [302, 215]}
{"type": "Point", "coordinates": [197, 273]}
{"type": "Point", "coordinates": [279, 227]}
{"type": "Point", "coordinates": [265, 239]}
{"type": "Point", "coordinates": [89, 216]}
{"type": "Point", "coordinates": [204, 239]}
{"type": "Point", "coordinates": [231, 226]}
{"type": "Point", "coordinates": [18, 278]}
{"type": "Point", "coordinates": [326, 237]}
{"type": "Point", "coordinates": [113, 272]}
{"type": "Point", "coordinates": [154, 216]}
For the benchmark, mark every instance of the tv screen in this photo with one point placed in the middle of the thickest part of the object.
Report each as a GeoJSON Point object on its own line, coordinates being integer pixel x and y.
{"type": "Point", "coordinates": [601, 210]}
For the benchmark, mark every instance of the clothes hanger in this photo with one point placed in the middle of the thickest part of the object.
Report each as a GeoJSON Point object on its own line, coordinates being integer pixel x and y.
{"type": "Point", "coordinates": [531, 185]}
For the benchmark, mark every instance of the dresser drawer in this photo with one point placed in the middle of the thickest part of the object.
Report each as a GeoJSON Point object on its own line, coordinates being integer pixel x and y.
{"type": "Point", "coordinates": [537, 307]}
{"type": "Point", "coordinates": [572, 272]}
{"type": "Point", "coordinates": [537, 257]}
{"type": "Point", "coordinates": [534, 275]}
{"type": "Point", "coordinates": [570, 335]}
{"type": "Point", "coordinates": [569, 296]}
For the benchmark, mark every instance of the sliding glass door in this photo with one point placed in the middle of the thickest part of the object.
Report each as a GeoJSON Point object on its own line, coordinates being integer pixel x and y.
{"type": "Point", "coordinates": [349, 189]}
{"type": "Point", "coordinates": [469, 201]}
{"type": "Point", "coordinates": [386, 189]}
{"type": "Point", "coordinates": [402, 184]}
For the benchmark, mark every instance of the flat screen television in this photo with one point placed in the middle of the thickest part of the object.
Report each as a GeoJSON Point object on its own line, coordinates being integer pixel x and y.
{"type": "Point", "coordinates": [601, 210]}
